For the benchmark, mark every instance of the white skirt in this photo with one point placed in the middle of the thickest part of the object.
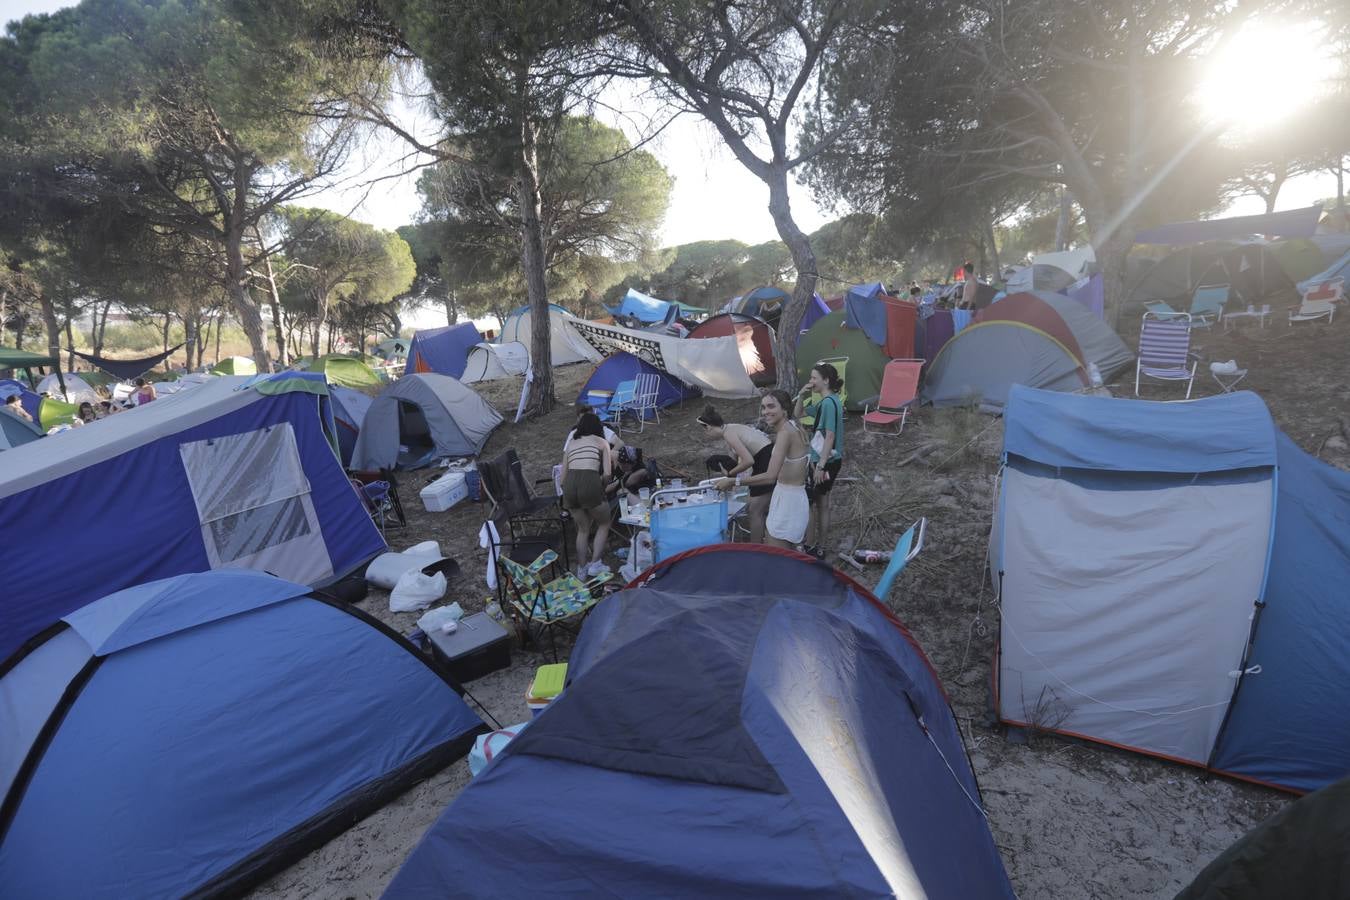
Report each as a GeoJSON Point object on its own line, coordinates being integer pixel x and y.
{"type": "Point", "coordinates": [789, 512]}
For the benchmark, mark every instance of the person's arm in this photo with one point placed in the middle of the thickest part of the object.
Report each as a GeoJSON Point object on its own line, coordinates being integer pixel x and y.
{"type": "Point", "coordinates": [799, 407]}
{"type": "Point", "coordinates": [563, 473]}
{"type": "Point", "coordinates": [605, 465]}
{"type": "Point", "coordinates": [828, 424]}
{"type": "Point", "coordinates": [769, 475]}
{"type": "Point", "coordinates": [744, 460]}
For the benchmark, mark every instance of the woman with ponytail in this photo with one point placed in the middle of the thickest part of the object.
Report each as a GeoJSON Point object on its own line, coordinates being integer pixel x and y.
{"type": "Point", "coordinates": [827, 449]}
{"type": "Point", "coordinates": [753, 449]}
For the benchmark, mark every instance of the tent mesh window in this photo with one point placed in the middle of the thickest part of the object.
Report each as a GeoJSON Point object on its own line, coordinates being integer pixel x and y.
{"type": "Point", "coordinates": [252, 497]}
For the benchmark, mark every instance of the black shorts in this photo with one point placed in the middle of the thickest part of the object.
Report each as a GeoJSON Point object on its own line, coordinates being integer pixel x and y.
{"type": "Point", "coordinates": [821, 488]}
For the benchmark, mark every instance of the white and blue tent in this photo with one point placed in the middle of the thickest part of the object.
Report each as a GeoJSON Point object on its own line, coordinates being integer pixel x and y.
{"type": "Point", "coordinates": [236, 473]}
{"type": "Point", "coordinates": [1172, 579]}
{"type": "Point", "coordinates": [1338, 269]}
{"type": "Point", "coordinates": [190, 736]}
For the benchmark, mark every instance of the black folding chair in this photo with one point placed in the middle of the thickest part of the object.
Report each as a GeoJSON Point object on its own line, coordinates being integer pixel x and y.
{"type": "Point", "coordinates": [530, 518]}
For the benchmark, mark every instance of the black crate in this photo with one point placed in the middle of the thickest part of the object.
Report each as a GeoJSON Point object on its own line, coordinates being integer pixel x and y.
{"type": "Point", "coordinates": [479, 646]}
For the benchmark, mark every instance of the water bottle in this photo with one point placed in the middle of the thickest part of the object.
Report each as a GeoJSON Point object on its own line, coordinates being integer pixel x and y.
{"type": "Point", "coordinates": [1095, 374]}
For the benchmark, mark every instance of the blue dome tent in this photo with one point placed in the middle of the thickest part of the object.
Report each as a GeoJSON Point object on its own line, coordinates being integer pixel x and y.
{"type": "Point", "coordinates": [742, 721]}
{"type": "Point", "coordinates": [236, 473]}
{"type": "Point", "coordinates": [1172, 580]}
{"type": "Point", "coordinates": [193, 735]}
{"type": "Point", "coordinates": [623, 366]}
{"type": "Point", "coordinates": [442, 350]}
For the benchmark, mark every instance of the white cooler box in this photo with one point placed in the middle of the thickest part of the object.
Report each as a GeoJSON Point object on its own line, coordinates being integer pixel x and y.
{"type": "Point", "coordinates": [444, 492]}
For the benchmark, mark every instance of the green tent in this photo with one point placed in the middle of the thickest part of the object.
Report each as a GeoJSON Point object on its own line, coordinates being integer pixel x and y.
{"type": "Point", "coordinates": [343, 370]}
{"type": "Point", "coordinates": [11, 358]}
{"type": "Point", "coordinates": [1299, 257]}
{"type": "Point", "coordinates": [830, 338]}
{"type": "Point", "coordinates": [56, 412]}
{"type": "Point", "coordinates": [235, 365]}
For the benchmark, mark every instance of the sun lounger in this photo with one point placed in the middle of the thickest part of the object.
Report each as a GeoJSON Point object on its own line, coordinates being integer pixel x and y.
{"type": "Point", "coordinates": [899, 390]}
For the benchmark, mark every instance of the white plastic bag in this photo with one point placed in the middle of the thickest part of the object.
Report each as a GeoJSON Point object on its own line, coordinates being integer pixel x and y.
{"type": "Point", "coordinates": [385, 569]}
{"type": "Point", "coordinates": [416, 591]}
{"type": "Point", "coordinates": [434, 620]}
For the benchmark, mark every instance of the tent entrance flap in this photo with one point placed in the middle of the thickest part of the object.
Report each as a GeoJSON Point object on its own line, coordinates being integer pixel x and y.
{"type": "Point", "coordinates": [1123, 647]}
{"type": "Point", "coordinates": [253, 504]}
{"type": "Point", "coordinates": [414, 434]}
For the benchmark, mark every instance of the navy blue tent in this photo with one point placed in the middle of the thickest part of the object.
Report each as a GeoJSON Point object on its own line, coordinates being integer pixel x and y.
{"type": "Point", "coordinates": [193, 735]}
{"type": "Point", "coordinates": [745, 722]}
{"type": "Point", "coordinates": [624, 366]}
{"type": "Point", "coordinates": [1174, 575]}
{"type": "Point", "coordinates": [442, 350]}
{"type": "Point", "coordinates": [236, 473]}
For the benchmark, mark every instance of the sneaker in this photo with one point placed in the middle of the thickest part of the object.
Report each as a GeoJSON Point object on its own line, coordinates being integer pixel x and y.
{"type": "Point", "coordinates": [597, 568]}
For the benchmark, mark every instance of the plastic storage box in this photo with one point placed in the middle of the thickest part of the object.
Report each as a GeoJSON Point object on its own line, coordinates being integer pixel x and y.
{"type": "Point", "coordinates": [478, 646]}
{"type": "Point", "coordinates": [444, 492]}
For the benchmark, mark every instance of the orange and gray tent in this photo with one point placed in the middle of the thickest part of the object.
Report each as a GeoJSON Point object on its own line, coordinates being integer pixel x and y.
{"type": "Point", "coordinates": [754, 341]}
{"type": "Point", "coordinates": [1025, 339]}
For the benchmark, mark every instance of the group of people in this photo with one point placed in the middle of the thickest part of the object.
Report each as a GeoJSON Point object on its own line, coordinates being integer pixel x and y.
{"type": "Point", "coordinates": [789, 468]}
{"type": "Point", "coordinates": [88, 412]}
{"type": "Point", "coordinates": [790, 471]}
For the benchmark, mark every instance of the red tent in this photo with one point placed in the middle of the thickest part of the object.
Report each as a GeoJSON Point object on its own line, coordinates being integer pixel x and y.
{"type": "Point", "coordinates": [754, 340]}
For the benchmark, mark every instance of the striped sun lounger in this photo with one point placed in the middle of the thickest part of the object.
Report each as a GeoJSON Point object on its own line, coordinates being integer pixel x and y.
{"type": "Point", "coordinates": [1165, 352]}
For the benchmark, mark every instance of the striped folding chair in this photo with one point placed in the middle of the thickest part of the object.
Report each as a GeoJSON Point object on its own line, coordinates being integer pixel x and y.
{"type": "Point", "coordinates": [1165, 352]}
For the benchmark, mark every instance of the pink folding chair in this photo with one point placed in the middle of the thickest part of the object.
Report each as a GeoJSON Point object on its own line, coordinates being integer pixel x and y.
{"type": "Point", "coordinates": [899, 390]}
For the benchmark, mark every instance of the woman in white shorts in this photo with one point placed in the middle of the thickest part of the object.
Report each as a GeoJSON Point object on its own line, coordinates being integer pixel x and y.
{"type": "Point", "coordinates": [789, 509]}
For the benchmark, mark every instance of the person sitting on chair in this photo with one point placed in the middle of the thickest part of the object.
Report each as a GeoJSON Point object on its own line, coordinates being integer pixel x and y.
{"type": "Point", "coordinates": [753, 449]}
{"type": "Point", "coordinates": [632, 472]}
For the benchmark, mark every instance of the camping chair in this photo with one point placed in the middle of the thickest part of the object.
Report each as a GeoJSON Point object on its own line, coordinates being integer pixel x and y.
{"type": "Point", "coordinates": [395, 504]}
{"type": "Point", "coordinates": [840, 363]}
{"type": "Point", "coordinates": [908, 547]}
{"type": "Point", "coordinates": [530, 518]}
{"type": "Point", "coordinates": [899, 390]}
{"type": "Point", "coordinates": [1165, 351]}
{"type": "Point", "coordinates": [644, 398]}
{"type": "Point", "coordinates": [1312, 310]}
{"type": "Point", "coordinates": [546, 600]}
{"type": "Point", "coordinates": [1164, 312]}
{"type": "Point", "coordinates": [1207, 305]}
{"type": "Point", "coordinates": [375, 495]}
{"type": "Point", "coordinates": [613, 412]}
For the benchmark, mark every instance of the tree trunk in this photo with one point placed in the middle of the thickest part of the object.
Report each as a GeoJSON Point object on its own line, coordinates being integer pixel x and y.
{"type": "Point", "coordinates": [451, 309]}
{"type": "Point", "coordinates": [1062, 225]}
{"type": "Point", "coordinates": [992, 239]}
{"type": "Point", "coordinates": [274, 299]}
{"type": "Point", "coordinates": [70, 344]}
{"type": "Point", "coordinates": [245, 309]}
{"type": "Point", "coordinates": [540, 398]}
{"type": "Point", "coordinates": [804, 259]}
{"type": "Point", "coordinates": [168, 321]}
{"type": "Point", "coordinates": [1112, 253]}
{"type": "Point", "coordinates": [4, 309]}
{"type": "Point", "coordinates": [220, 326]}
{"type": "Point", "coordinates": [53, 325]}
{"type": "Point", "coordinates": [100, 326]}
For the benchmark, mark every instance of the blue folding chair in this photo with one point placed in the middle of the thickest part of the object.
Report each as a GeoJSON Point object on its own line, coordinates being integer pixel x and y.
{"type": "Point", "coordinates": [621, 401]}
{"type": "Point", "coordinates": [908, 547]}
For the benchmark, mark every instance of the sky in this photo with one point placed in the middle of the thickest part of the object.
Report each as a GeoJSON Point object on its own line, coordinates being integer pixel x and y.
{"type": "Point", "coordinates": [714, 197]}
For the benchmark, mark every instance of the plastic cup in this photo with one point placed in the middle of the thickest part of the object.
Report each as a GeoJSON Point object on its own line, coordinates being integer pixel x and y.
{"type": "Point", "coordinates": [644, 494]}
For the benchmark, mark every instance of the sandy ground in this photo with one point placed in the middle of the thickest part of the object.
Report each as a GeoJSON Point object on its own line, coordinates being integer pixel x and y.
{"type": "Point", "coordinates": [1070, 819]}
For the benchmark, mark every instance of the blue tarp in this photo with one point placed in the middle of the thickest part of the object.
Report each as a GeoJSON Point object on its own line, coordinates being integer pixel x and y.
{"type": "Point", "coordinates": [1339, 269]}
{"type": "Point", "coordinates": [442, 350]}
{"type": "Point", "coordinates": [641, 307]}
{"type": "Point", "coordinates": [1290, 724]}
{"type": "Point", "coordinates": [624, 366]}
{"type": "Point", "coordinates": [230, 716]}
{"type": "Point", "coordinates": [866, 310]}
{"type": "Point", "coordinates": [816, 310]}
{"type": "Point", "coordinates": [1290, 224]}
{"type": "Point", "coordinates": [1214, 434]}
{"type": "Point", "coordinates": [126, 476]}
{"type": "Point", "coordinates": [748, 723]}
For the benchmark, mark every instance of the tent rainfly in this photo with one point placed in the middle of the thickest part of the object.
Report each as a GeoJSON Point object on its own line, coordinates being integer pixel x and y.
{"type": "Point", "coordinates": [235, 473]}
{"type": "Point", "coordinates": [754, 340]}
{"type": "Point", "coordinates": [730, 728]}
{"type": "Point", "coordinates": [1172, 580]}
{"type": "Point", "coordinates": [565, 347]}
{"type": "Point", "coordinates": [488, 362]}
{"type": "Point", "coordinates": [191, 736]}
{"type": "Point", "coordinates": [442, 350]}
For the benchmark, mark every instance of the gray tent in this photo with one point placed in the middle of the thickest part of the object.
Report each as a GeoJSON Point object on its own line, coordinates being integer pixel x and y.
{"type": "Point", "coordinates": [15, 431]}
{"type": "Point", "coordinates": [1098, 341]}
{"type": "Point", "coordinates": [984, 361]}
{"type": "Point", "coordinates": [420, 418]}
